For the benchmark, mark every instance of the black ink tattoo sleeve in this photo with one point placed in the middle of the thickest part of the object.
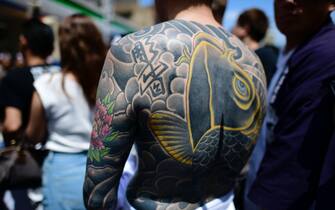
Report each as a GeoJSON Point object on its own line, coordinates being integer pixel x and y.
{"type": "Point", "coordinates": [111, 141]}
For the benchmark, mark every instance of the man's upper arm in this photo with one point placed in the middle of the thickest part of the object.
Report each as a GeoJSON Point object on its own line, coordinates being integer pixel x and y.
{"type": "Point", "coordinates": [10, 105]}
{"type": "Point", "coordinates": [111, 140]}
{"type": "Point", "coordinates": [11, 90]}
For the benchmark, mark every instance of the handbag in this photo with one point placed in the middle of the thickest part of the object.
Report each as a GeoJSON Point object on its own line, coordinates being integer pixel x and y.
{"type": "Point", "coordinates": [18, 168]}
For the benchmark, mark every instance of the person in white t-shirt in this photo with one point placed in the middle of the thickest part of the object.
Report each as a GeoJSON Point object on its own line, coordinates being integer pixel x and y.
{"type": "Point", "coordinates": [61, 112]}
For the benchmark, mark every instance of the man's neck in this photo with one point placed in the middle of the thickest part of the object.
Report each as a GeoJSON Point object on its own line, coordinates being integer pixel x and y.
{"type": "Point", "coordinates": [252, 44]}
{"type": "Point", "coordinates": [201, 14]}
{"type": "Point", "coordinates": [294, 40]}
{"type": "Point", "coordinates": [33, 60]}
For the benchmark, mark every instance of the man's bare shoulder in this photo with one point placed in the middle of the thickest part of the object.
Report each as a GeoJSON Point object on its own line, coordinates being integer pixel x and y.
{"type": "Point", "coordinates": [176, 37]}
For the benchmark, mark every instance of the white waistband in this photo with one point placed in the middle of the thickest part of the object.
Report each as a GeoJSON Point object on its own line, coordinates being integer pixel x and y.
{"type": "Point", "coordinates": [223, 203]}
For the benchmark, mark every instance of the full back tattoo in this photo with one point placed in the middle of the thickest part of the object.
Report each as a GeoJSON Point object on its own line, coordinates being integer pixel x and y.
{"type": "Point", "coordinates": [192, 99]}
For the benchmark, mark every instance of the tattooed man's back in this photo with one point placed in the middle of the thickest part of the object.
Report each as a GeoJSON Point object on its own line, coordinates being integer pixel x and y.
{"type": "Point", "coordinates": [191, 98]}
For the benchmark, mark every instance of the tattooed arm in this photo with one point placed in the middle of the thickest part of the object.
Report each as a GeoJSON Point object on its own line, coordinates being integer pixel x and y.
{"type": "Point", "coordinates": [111, 140]}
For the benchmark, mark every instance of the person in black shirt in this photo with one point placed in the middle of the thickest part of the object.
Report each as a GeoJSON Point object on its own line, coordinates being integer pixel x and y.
{"type": "Point", "coordinates": [16, 89]}
{"type": "Point", "coordinates": [251, 28]}
{"type": "Point", "coordinates": [36, 42]}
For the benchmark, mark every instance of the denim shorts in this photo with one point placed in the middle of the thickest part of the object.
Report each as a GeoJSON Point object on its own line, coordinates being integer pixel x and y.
{"type": "Point", "coordinates": [63, 178]}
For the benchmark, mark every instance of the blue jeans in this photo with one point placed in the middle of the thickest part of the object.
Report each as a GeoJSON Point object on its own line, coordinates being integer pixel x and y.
{"type": "Point", "coordinates": [63, 179]}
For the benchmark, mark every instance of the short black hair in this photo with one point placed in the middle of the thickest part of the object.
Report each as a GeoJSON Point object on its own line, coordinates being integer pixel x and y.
{"type": "Point", "coordinates": [219, 8]}
{"type": "Point", "coordinates": [256, 21]}
{"type": "Point", "coordinates": [40, 37]}
{"type": "Point", "coordinates": [166, 10]}
{"type": "Point", "coordinates": [197, 2]}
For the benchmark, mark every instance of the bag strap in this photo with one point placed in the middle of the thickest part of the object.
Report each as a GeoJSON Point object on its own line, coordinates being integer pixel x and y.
{"type": "Point", "coordinates": [10, 148]}
{"type": "Point", "coordinates": [21, 142]}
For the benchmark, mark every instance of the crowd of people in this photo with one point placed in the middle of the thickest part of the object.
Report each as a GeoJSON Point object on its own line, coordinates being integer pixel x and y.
{"type": "Point", "coordinates": [179, 115]}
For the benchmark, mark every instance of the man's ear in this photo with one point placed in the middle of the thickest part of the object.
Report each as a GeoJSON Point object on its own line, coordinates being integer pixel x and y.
{"type": "Point", "coordinates": [240, 32]}
{"type": "Point", "coordinates": [247, 29]}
